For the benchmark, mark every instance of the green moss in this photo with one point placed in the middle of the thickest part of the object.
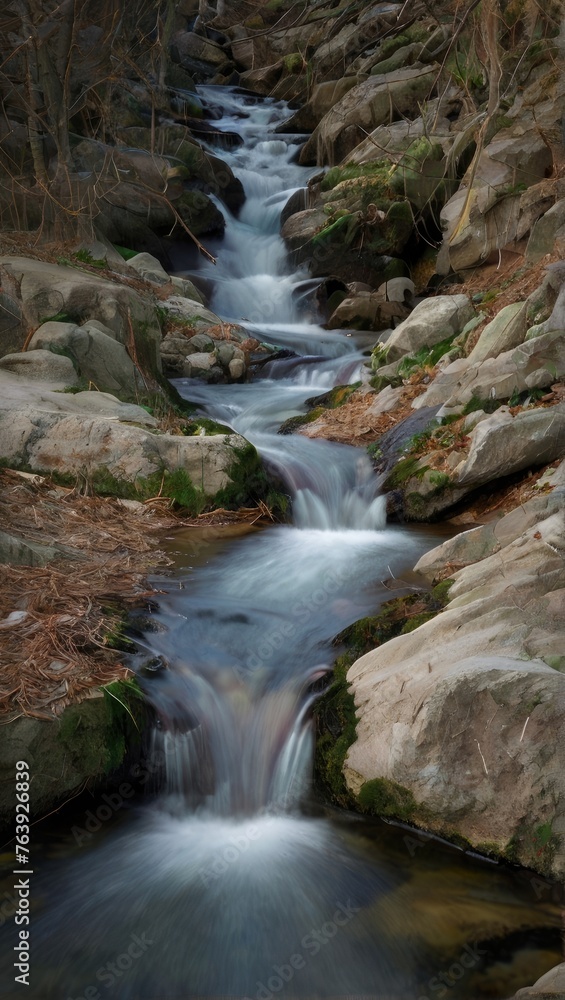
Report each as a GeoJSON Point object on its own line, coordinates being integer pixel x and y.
{"type": "Point", "coordinates": [416, 621]}
{"type": "Point", "coordinates": [95, 735]}
{"type": "Point", "coordinates": [335, 398]}
{"type": "Point", "coordinates": [534, 847]}
{"type": "Point", "coordinates": [381, 797]}
{"type": "Point", "coordinates": [440, 592]}
{"type": "Point", "coordinates": [336, 722]}
{"type": "Point", "coordinates": [175, 485]}
{"type": "Point", "coordinates": [439, 479]}
{"type": "Point", "coordinates": [249, 485]}
{"type": "Point", "coordinates": [378, 172]}
{"type": "Point", "coordinates": [403, 471]}
{"type": "Point", "coordinates": [204, 423]}
{"type": "Point", "coordinates": [61, 317]}
{"type": "Point", "coordinates": [427, 357]}
{"type": "Point", "coordinates": [477, 403]}
{"type": "Point", "coordinates": [293, 63]}
{"type": "Point", "coordinates": [125, 252]}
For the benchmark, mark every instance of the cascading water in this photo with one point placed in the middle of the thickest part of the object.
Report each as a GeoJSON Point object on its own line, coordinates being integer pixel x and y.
{"type": "Point", "coordinates": [230, 884]}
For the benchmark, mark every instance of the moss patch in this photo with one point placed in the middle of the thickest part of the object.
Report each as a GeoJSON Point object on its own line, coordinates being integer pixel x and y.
{"type": "Point", "coordinates": [250, 485]}
{"type": "Point", "coordinates": [381, 797]}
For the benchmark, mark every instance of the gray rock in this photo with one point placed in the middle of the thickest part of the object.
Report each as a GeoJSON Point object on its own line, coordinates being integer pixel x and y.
{"type": "Point", "coordinates": [97, 356]}
{"type": "Point", "coordinates": [47, 290]}
{"type": "Point", "coordinates": [536, 363]}
{"type": "Point", "coordinates": [20, 552]}
{"type": "Point", "coordinates": [494, 211]}
{"type": "Point", "coordinates": [460, 715]}
{"type": "Point", "coordinates": [471, 546]}
{"type": "Point", "coordinates": [506, 330]}
{"type": "Point", "coordinates": [504, 444]}
{"type": "Point", "coordinates": [149, 268]}
{"type": "Point", "coordinates": [544, 232]}
{"type": "Point", "coordinates": [374, 102]}
{"type": "Point", "coordinates": [41, 366]}
{"type": "Point", "coordinates": [89, 431]}
{"type": "Point", "coordinates": [549, 987]}
{"type": "Point", "coordinates": [433, 320]}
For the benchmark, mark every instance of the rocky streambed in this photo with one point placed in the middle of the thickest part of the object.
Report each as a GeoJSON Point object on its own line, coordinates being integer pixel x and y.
{"type": "Point", "coordinates": [420, 318]}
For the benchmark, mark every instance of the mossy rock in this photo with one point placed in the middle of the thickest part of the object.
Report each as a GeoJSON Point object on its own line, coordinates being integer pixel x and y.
{"type": "Point", "coordinates": [82, 748]}
{"type": "Point", "coordinates": [335, 398]}
{"type": "Point", "coordinates": [334, 713]}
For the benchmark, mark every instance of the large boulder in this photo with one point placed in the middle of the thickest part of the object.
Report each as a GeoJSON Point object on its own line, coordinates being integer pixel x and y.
{"type": "Point", "coordinates": [500, 198]}
{"type": "Point", "coordinates": [460, 720]}
{"type": "Point", "coordinates": [93, 432]}
{"type": "Point", "coordinates": [56, 292]}
{"type": "Point", "coordinates": [98, 357]}
{"type": "Point", "coordinates": [534, 364]}
{"type": "Point", "coordinates": [497, 446]}
{"type": "Point", "coordinates": [433, 320]}
{"type": "Point", "coordinates": [374, 102]}
{"type": "Point", "coordinates": [41, 366]}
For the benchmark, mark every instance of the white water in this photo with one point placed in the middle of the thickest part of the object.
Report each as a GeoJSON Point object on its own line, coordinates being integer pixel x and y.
{"type": "Point", "coordinates": [225, 874]}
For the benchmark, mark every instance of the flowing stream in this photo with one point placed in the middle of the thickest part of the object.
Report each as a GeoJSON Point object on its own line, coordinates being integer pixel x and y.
{"type": "Point", "coordinates": [231, 881]}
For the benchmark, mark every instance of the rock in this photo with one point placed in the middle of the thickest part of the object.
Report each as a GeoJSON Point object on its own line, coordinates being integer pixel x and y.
{"type": "Point", "coordinates": [149, 268]}
{"type": "Point", "coordinates": [536, 363]}
{"type": "Point", "coordinates": [506, 330]}
{"type": "Point", "coordinates": [478, 543]}
{"type": "Point", "coordinates": [96, 355]}
{"type": "Point", "coordinates": [198, 365]}
{"type": "Point", "coordinates": [198, 55]}
{"type": "Point", "coordinates": [367, 311]}
{"type": "Point", "coordinates": [545, 232]}
{"type": "Point", "coordinates": [93, 431]}
{"type": "Point", "coordinates": [41, 366]}
{"type": "Point", "coordinates": [374, 102]}
{"type": "Point", "coordinates": [496, 210]}
{"type": "Point", "coordinates": [78, 746]}
{"type": "Point", "coordinates": [299, 231]}
{"type": "Point", "coordinates": [56, 292]}
{"type": "Point", "coordinates": [504, 444]}
{"type": "Point", "coordinates": [549, 987]}
{"type": "Point", "coordinates": [459, 716]}
{"type": "Point", "coordinates": [263, 79]}
{"type": "Point", "coordinates": [324, 97]}
{"type": "Point", "coordinates": [499, 446]}
{"type": "Point", "coordinates": [202, 170]}
{"type": "Point", "coordinates": [20, 552]}
{"type": "Point", "coordinates": [433, 320]}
